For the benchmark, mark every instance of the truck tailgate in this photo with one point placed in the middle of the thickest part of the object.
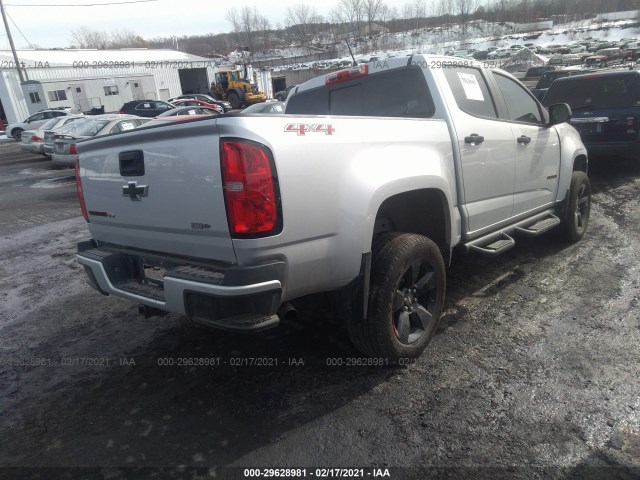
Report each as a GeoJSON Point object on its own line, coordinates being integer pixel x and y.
{"type": "Point", "coordinates": [158, 189]}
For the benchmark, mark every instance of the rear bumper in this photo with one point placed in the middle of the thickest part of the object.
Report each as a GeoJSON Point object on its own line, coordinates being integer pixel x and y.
{"type": "Point", "coordinates": [232, 298]}
{"type": "Point", "coordinates": [64, 160]}
{"type": "Point", "coordinates": [627, 150]}
{"type": "Point", "coordinates": [33, 147]}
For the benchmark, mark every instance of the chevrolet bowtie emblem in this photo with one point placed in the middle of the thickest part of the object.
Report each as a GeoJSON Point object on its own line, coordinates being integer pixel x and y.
{"type": "Point", "coordinates": [135, 191]}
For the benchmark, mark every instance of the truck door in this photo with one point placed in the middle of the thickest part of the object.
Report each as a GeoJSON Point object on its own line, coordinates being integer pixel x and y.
{"type": "Point", "coordinates": [537, 147]}
{"type": "Point", "coordinates": [487, 150]}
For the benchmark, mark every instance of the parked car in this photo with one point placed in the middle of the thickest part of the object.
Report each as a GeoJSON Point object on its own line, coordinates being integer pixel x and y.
{"type": "Point", "coordinates": [173, 120]}
{"type": "Point", "coordinates": [600, 46]}
{"type": "Point", "coordinates": [566, 59]}
{"type": "Point", "coordinates": [33, 140]}
{"type": "Point", "coordinates": [265, 107]}
{"type": "Point", "coordinates": [235, 216]}
{"type": "Point", "coordinates": [576, 48]}
{"type": "Point", "coordinates": [606, 110]}
{"type": "Point", "coordinates": [480, 54]}
{"type": "Point", "coordinates": [548, 78]}
{"type": "Point", "coordinates": [500, 53]}
{"type": "Point", "coordinates": [605, 57]}
{"type": "Point", "coordinates": [145, 108]}
{"type": "Point", "coordinates": [192, 102]}
{"type": "Point", "coordinates": [204, 98]}
{"type": "Point", "coordinates": [34, 121]}
{"type": "Point", "coordinates": [283, 94]}
{"type": "Point", "coordinates": [64, 152]}
{"type": "Point", "coordinates": [553, 48]}
{"type": "Point", "coordinates": [537, 72]}
{"type": "Point", "coordinates": [49, 135]}
{"type": "Point", "coordinates": [181, 111]}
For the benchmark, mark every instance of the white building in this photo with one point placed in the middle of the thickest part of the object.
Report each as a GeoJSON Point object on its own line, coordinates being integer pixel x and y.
{"type": "Point", "coordinates": [88, 79]}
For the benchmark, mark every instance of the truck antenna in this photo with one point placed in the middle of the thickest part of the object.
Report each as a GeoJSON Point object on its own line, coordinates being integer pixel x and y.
{"type": "Point", "coordinates": [349, 47]}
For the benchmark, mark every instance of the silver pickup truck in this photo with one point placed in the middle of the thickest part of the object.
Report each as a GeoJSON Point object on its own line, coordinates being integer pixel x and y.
{"type": "Point", "coordinates": [363, 188]}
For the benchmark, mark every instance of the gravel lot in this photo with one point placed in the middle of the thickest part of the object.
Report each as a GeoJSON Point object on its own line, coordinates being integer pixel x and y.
{"type": "Point", "coordinates": [534, 373]}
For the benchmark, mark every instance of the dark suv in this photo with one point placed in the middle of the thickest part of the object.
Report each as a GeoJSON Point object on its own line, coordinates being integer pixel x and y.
{"type": "Point", "coordinates": [549, 77]}
{"type": "Point", "coordinates": [146, 108]}
{"type": "Point", "coordinates": [606, 110]}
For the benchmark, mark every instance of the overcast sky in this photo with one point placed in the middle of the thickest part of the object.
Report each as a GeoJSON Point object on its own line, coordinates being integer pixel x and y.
{"type": "Point", "coordinates": [50, 26]}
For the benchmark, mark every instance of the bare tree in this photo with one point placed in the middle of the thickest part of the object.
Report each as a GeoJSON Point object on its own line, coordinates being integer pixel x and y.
{"type": "Point", "coordinates": [407, 15]}
{"type": "Point", "coordinates": [352, 12]}
{"type": "Point", "coordinates": [233, 17]}
{"type": "Point", "coordinates": [248, 21]}
{"type": "Point", "coordinates": [372, 10]}
{"type": "Point", "coordinates": [464, 9]}
{"type": "Point", "coordinates": [335, 19]}
{"type": "Point", "coordinates": [419, 12]}
{"type": "Point", "coordinates": [126, 39]}
{"type": "Point", "coordinates": [84, 37]}
{"type": "Point", "coordinates": [301, 16]}
{"type": "Point", "coordinates": [264, 27]}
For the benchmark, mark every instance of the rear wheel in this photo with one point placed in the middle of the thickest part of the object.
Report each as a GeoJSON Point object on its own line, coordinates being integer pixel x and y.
{"type": "Point", "coordinates": [406, 298]}
{"type": "Point", "coordinates": [579, 207]}
{"type": "Point", "coordinates": [234, 100]}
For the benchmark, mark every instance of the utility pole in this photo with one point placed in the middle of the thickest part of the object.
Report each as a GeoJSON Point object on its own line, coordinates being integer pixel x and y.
{"type": "Point", "coordinates": [13, 48]}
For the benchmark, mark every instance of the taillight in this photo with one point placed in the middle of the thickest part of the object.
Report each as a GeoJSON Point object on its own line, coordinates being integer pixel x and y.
{"type": "Point", "coordinates": [72, 149]}
{"type": "Point", "coordinates": [83, 207]}
{"type": "Point", "coordinates": [36, 138]}
{"type": "Point", "coordinates": [250, 189]}
{"type": "Point", "coordinates": [346, 75]}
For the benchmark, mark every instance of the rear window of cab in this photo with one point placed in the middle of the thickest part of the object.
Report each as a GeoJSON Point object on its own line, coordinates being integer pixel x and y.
{"type": "Point", "coordinates": [401, 92]}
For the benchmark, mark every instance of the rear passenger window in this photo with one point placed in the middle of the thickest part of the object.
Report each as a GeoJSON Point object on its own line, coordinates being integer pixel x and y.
{"type": "Point", "coordinates": [401, 92]}
{"type": "Point", "coordinates": [471, 92]}
{"type": "Point", "coordinates": [521, 107]}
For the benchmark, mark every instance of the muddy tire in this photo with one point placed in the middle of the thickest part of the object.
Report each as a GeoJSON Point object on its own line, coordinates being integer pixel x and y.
{"type": "Point", "coordinates": [577, 217]}
{"type": "Point", "coordinates": [405, 300]}
{"type": "Point", "coordinates": [234, 100]}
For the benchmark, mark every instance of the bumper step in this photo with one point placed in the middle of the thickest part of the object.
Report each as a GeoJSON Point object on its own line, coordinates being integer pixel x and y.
{"type": "Point", "coordinates": [148, 290]}
{"type": "Point", "coordinates": [243, 323]}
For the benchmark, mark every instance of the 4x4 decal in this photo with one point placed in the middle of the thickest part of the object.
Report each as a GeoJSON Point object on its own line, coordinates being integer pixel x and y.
{"type": "Point", "coordinates": [304, 128]}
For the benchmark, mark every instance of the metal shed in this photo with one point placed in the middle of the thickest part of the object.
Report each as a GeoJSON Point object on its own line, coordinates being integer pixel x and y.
{"type": "Point", "coordinates": [87, 79]}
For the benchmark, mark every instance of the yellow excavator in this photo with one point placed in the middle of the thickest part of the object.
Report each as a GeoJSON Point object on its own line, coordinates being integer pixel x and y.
{"type": "Point", "coordinates": [230, 86]}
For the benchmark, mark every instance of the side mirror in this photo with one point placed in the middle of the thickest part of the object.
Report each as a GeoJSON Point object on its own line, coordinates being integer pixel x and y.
{"type": "Point", "coordinates": [559, 113]}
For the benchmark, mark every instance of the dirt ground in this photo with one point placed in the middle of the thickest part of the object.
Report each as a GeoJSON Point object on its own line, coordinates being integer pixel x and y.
{"type": "Point", "coordinates": [534, 372]}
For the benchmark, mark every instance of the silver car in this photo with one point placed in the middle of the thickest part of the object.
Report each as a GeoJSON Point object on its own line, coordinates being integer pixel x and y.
{"type": "Point", "coordinates": [64, 144]}
{"type": "Point", "coordinates": [33, 140]}
{"type": "Point", "coordinates": [36, 120]}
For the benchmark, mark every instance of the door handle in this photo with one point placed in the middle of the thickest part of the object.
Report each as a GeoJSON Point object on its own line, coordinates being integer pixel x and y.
{"type": "Point", "coordinates": [474, 138]}
{"type": "Point", "coordinates": [524, 139]}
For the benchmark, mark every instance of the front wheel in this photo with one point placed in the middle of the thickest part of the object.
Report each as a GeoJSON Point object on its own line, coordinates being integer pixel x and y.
{"type": "Point", "coordinates": [406, 298]}
{"type": "Point", "coordinates": [578, 208]}
{"type": "Point", "coordinates": [16, 133]}
{"type": "Point", "coordinates": [234, 100]}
